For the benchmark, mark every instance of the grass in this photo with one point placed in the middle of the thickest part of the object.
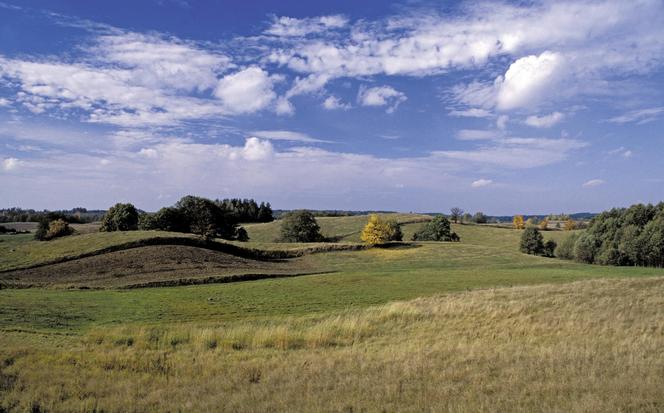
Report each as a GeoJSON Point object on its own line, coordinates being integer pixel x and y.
{"type": "Point", "coordinates": [345, 229]}
{"type": "Point", "coordinates": [419, 327]}
{"type": "Point", "coordinates": [585, 346]}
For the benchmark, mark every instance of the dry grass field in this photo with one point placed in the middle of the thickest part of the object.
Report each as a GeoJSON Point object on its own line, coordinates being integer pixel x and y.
{"type": "Point", "coordinates": [579, 347]}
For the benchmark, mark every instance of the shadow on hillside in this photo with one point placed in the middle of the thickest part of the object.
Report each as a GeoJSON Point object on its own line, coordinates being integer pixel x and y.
{"type": "Point", "coordinates": [398, 245]}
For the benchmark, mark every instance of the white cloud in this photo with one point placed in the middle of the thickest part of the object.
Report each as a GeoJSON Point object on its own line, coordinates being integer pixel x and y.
{"type": "Point", "coordinates": [640, 116]}
{"type": "Point", "coordinates": [162, 63]}
{"type": "Point", "coordinates": [381, 96]}
{"type": "Point", "coordinates": [476, 134]}
{"type": "Point", "coordinates": [246, 91]}
{"type": "Point", "coordinates": [528, 80]}
{"type": "Point", "coordinates": [10, 164]}
{"type": "Point", "coordinates": [333, 103]}
{"type": "Point", "coordinates": [517, 153]}
{"type": "Point", "coordinates": [108, 95]}
{"type": "Point", "coordinates": [286, 135]}
{"type": "Point", "coordinates": [501, 121]}
{"type": "Point", "coordinates": [611, 34]}
{"type": "Point", "coordinates": [545, 121]}
{"type": "Point", "coordinates": [481, 183]}
{"type": "Point", "coordinates": [593, 183]}
{"type": "Point", "coordinates": [622, 151]}
{"type": "Point", "coordinates": [4, 102]}
{"type": "Point", "coordinates": [471, 113]}
{"type": "Point", "coordinates": [292, 27]}
{"type": "Point", "coordinates": [284, 107]}
{"type": "Point", "coordinates": [257, 150]}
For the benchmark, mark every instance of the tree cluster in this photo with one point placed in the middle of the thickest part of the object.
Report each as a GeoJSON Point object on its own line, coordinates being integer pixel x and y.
{"type": "Point", "coordinates": [532, 242]}
{"type": "Point", "coordinates": [621, 236]}
{"type": "Point", "coordinates": [300, 226]}
{"type": "Point", "coordinates": [195, 215]}
{"type": "Point", "coordinates": [379, 231]}
{"type": "Point", "coordinates": [247, 210]}
{"type": "Point", "coordinates": [72, 216]}
{"type": "Point", "coordinates": [52, 227]}
{"type": "Point", "coordinates": [438, 229]}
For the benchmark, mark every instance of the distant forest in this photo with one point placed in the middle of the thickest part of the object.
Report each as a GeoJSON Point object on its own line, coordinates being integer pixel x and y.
{"type": "Point", "coordinates": [241, 210]}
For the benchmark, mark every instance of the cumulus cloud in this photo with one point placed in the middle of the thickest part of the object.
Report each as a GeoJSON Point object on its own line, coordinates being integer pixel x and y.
{"type": "Point", "coordinates": [257, 150]}
{"type": "Point", "coordinates": [246, 91]}
{"type": "Point", "coordinates": [381, 96]}
{"type": "Point", "coordinates": [545, 121]}
{"type": "Point", "coordinates": [481, 183]}
{"type": "Point", "coordinates": [528, 80]}
{"type": "Point", "coordinates": [4, 102]}
{"type": "Point", "coordinates": [592, 183]}
{"type": "Point", "coordinates": [333, 103]}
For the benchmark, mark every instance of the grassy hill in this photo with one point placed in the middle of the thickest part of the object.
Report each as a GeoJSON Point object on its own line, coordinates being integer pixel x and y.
{"type": "Point", "coordinates": [345, 229]}
{"type": "Point", "coordinates": [317, 342]}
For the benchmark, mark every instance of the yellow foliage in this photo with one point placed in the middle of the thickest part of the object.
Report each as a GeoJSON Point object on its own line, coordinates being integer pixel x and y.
{"type": "Point", "coordinates": [544, 225]}
{"type": "Point", "coordinates": [570, 225]}
{"type": "Point", "coordinates": [518, 222]}
{"type": "Point", "coordinates": [376, 231]}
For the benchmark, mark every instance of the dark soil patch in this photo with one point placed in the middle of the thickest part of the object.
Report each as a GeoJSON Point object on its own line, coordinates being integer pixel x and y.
{"type": "Point", "coordinates": [148, 265]}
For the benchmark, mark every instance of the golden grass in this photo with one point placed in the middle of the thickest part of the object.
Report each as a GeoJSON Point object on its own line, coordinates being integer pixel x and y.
{"type": "Point", "coordinates": [585, 346]}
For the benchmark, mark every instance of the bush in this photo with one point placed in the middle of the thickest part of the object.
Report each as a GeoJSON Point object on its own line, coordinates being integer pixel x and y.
{"type": "Point", "coordinates": [242, 235]}
{"type": "Point", "coordinates": [480, 218]}
{"type": "Point", "coordinates": [438, 229]}
{"type": "Point", "coordinates": [300, 226]}
{"type": "Point", "coordinates": [120, 217]}
{"type": "Point", "coordinates": [378, 231]}
{"type": "Point", "coordinates": [565, 249]}
{"type": "Point", "coordinates": [586, 248]}
{"type": "Point", "coordinates": [550, 248]}
{"type": "Point", "coordinates": [532, 242]}
{"type": "Point", "coordinates": [53, 229]}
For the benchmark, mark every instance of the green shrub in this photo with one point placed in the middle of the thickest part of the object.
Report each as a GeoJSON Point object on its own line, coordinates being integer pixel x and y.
{"type": "Point", "coordinates": [300, 226]}
{"type": "Point", "coordinates": [438, 229]}
{"type": "Point", "coordinates": [565, 249]}
{"type": "Point", "coordinates": [532, 242]}
{"type": "Point", "coordinates": [120, 217]}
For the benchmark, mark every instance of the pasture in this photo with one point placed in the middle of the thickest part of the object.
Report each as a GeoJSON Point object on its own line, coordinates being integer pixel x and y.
{"type": "Point", "coordinates": [426, 326]}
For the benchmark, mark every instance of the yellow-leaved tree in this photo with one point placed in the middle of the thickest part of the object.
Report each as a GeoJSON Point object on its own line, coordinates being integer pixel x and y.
{"type": "Point", "coordinates": [570, 225]}
{"type": "Point", "coordinates": [544, 225]}
{"type": "Point", "coordinates": [518, 222]}
{"type": "Point", "coordinates": [378, 231]}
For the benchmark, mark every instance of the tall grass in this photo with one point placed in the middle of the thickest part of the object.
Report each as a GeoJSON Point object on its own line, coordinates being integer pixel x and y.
{"type": "Point", "coordinates": [586, 346]}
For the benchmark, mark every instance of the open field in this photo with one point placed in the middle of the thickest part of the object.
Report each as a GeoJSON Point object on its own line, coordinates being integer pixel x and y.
{"type": "Point", "coordinates": [416, 327]}
{"type": "Point", "coordinates": [585, 346]}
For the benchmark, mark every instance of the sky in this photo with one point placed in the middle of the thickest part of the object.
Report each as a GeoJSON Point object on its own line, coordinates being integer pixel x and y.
{"type": "Point", "coordinates": [501, 107]}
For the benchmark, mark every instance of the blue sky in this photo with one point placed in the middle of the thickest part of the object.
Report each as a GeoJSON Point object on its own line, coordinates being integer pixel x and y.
{"type": "Point", "coordinates": [501, 107]}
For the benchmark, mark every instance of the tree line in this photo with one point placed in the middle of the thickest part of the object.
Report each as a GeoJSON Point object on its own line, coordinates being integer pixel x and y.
{"type": "Point", "coordinates": [191, 214]}
{"type": "Point", "coordinates": [73, 216]}
{"type": "Point", "coordinates": [620, 236]}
